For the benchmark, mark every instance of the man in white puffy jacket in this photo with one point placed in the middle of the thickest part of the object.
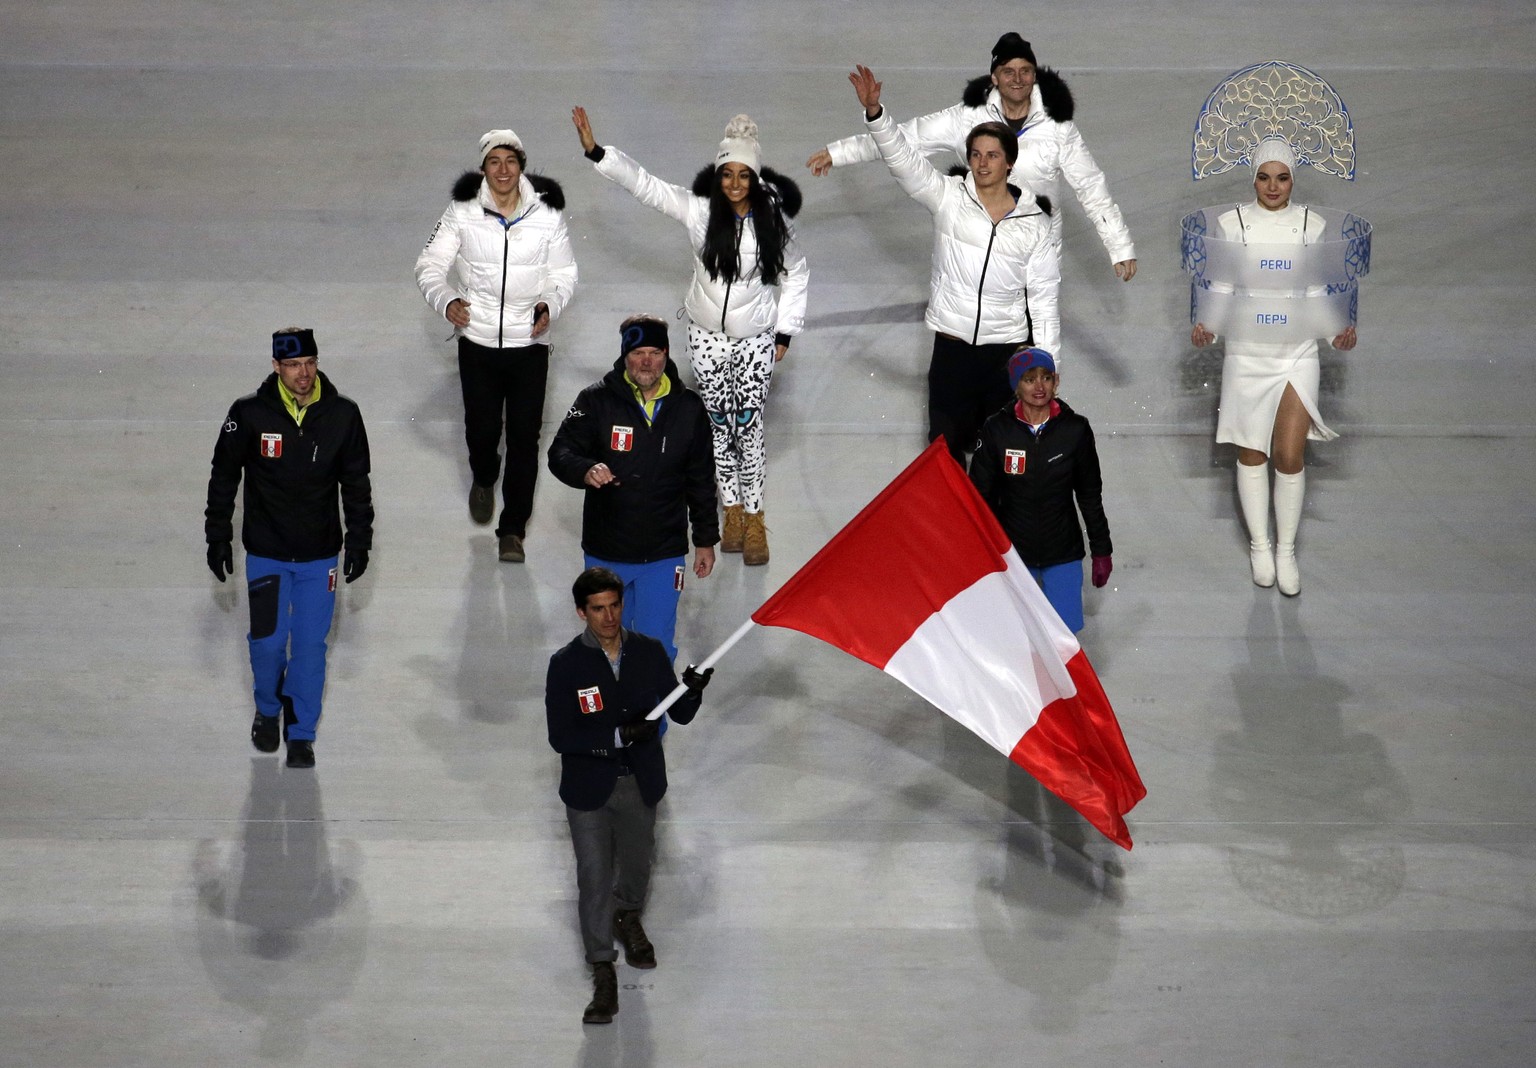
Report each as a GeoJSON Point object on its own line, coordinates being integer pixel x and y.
{"type": "Point", "coordinates": [1037, 106]}
{"type": "Point", "coordinates": [504, 241]}
{"type": "Point", "coordinates": [995, 270]}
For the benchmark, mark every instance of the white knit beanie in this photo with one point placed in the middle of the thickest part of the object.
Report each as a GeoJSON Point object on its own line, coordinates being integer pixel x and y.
{"type": "Point", "coordinates": [740, 145]}
{"type": "Point", "coordinates": [495, 139]}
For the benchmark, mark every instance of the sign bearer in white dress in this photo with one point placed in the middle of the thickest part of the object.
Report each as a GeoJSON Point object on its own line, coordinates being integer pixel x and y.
{"type": "Point", "coordinates": [1272, 276]}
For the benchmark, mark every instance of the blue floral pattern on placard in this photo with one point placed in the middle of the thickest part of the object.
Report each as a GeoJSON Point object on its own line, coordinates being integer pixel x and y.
{"type": "Point", "coordinates": [1192, 243]}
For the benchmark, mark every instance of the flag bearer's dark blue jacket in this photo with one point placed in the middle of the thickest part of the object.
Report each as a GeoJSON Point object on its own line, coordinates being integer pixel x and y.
{"type": "Point", "coordinates": [1032, 492]}
{"type": "Point", "coordinates": [585, 705]}
{"type": "Point", "coordinates": [665, 470]}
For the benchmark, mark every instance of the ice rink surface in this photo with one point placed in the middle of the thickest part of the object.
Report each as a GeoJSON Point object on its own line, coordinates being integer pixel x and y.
{"type": "Point", "coordinates": [1336, 860]}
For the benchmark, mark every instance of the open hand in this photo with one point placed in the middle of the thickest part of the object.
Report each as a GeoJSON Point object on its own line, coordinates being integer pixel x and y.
{"type": "Point", "coordinates": [868, 90]}
{"type": "Point", "coordinates": [583, 129]}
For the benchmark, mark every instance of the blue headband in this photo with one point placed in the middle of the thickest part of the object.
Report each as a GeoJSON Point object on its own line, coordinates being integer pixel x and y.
{"type": "Point", "coordinates": [293, 344]}
{"type": "Point", "coordinates": [647, 333]}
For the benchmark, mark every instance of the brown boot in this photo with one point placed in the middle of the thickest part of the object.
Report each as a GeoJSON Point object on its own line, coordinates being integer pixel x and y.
{"type": "Point", "coordinates": [754, 542]}
{"type": "Point", "coordinates": [605, 994]}
{"type": "Point", "coordinates": [731, 532]}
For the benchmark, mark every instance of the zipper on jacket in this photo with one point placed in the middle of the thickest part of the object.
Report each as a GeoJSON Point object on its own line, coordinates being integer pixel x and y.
{"type": "Point", "coordinates": [506, 248]}
{"type": "Point", "coordinates": [726, 303]}
{"type": "Point", "coordinates": [986, 261]}
{"type": "Point", "coordinates": [501, 315]}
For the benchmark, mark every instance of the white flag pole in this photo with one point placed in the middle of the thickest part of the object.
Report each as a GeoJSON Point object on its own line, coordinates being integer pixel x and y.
{"type": "Point", "coordinates": [709, 662]}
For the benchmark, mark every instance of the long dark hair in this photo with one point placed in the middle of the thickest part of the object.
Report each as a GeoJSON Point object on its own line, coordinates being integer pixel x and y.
{"type": "Point", "coordinates": [771, 197]}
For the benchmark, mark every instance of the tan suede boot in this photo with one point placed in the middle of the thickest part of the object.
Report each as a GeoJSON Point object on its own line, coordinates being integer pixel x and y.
{"type": "Point", "coordinates": [754, 541]}
{"type": "Point", "coordinates": [732, 531]}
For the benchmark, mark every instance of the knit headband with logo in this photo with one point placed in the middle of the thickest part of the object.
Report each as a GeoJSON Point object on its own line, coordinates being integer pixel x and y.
{"type": "Point", "coordinates": [293, 344]}
{"type": "Point", "coordinates": [647, 333]}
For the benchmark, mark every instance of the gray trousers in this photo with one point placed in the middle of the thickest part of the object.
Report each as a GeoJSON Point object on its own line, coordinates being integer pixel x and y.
{"type": "Point", "coordinates": [614, 845]}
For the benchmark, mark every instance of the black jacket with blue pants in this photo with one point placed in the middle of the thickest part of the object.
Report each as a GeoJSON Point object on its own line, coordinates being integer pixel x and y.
{"type": "Point", "coordinates": [610, 790]}
{"type": "Point", "coordinates": [1036, 484]}
{"type": "Point", "coordinates": [300, 477]}
{"type": "Point", "coordinates": [664, 488]}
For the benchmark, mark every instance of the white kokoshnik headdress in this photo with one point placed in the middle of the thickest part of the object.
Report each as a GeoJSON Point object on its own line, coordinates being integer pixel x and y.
{"type": "Point", "coordinates": [1260, 291]}
{"type": "Point", "coordinates": [1270, 102]}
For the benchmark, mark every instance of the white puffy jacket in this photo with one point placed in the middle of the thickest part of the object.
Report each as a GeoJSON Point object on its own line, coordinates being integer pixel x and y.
{"type": "Point", "coordinates": [740, 309]}
{"type": "Point", "coordinates": [504, 267]}
{"type": "Point", "coordinates": [992, 282]}
{"type": "Point", "coordinates": [1050, 148]}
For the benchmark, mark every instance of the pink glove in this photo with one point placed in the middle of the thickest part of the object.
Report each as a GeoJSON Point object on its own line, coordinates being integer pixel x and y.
{"type": "Point", "coordinates": [1102, 566]}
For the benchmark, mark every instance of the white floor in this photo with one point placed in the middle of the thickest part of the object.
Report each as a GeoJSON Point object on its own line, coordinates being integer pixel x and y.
{"type": "Point", "coordinates": [1336, 860]}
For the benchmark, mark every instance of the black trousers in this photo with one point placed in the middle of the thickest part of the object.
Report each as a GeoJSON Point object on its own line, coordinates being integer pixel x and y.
{"type": "Point", "coordinates": [966, 384]}
{"type": "Point", "coordinates": [504, 384]}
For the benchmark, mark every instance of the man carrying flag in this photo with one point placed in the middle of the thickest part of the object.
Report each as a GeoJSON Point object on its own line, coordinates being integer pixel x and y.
{"type": "Point", "coordinates": [613, 772]}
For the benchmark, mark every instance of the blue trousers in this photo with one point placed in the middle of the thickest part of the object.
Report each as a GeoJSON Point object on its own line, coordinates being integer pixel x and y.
{"type": "Point", "coordinates": [651, 593]}
{"type": "Point", "coordinates": [1063, 586]}
{"type": "Point", "coordinates": [291, 608]}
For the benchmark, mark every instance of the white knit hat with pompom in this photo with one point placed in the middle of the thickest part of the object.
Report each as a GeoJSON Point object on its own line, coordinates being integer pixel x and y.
{"type": "Point", "coordinates": [740, 145]}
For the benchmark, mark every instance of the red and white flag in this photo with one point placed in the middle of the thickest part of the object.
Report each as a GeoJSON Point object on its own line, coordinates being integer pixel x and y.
{"type": "Point", "coordinates": [924, 585]}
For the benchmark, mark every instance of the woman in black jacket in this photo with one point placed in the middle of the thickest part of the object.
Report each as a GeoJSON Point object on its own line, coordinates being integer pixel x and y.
{"type": "Point", "coordinates": [1036, 468]}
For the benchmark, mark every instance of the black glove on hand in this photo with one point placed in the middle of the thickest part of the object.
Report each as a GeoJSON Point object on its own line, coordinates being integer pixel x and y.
{"type": "Point", "coordinates": [221, 559]}
{"type": "Point", "coordinates": [696, 680]}
{"type": "Point", "coordinates": [642, 730]}
{"type": "Point", "coordinates": [356, 564]}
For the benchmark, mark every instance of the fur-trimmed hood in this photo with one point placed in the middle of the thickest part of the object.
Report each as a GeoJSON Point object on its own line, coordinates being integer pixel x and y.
{"type": "Point", "coordinates": [467, 187]}
{"type": "Point", "coordinates": [1055, 97]}
{"type": "Point", "coordinates": [777, 184]}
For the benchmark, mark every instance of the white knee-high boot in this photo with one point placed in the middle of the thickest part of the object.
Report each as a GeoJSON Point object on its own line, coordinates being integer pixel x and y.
{"type": "Point", "coordinates": [1289, 490]}
{"type": "Point", "coordinates": [1253, 496]}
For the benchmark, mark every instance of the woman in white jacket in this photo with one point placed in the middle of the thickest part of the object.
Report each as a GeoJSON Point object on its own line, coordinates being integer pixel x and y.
{"type": "Point", "coordinates": [503, 239]}
{"type": "Point", "coordinates": [746, 301]}
{"type": "Point", "coordinates": [1269, 389]}
{"type": "Point", "coordinates": [995, 272]}
{"type": "Point", "coordinates": [1036, 105]}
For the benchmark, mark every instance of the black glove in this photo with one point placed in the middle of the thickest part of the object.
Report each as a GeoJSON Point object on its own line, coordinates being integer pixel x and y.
{"type": "Point", "coordinates": [642, 730]}
{"type": "Point", "coordinates": [221, 559]}
{"type": "Point", "coordinates": [356, 564]}
{"type": "Point", "coordinates": [696, 680]}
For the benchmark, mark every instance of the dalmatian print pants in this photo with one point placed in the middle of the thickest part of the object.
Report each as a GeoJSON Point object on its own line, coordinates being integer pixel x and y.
{"type": "Point", "coordinates": [732, 375]}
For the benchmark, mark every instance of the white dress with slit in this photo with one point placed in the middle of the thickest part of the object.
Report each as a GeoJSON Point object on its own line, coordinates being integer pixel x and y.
{"type": "Point", "coordinates": [1254, 374]}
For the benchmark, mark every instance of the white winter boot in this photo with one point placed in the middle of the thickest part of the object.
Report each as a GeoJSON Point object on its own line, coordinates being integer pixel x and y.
{"type": "Point", "coordinates": [1253, 495]}
{"type": "Point", "coordinates": [1289, 490]}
